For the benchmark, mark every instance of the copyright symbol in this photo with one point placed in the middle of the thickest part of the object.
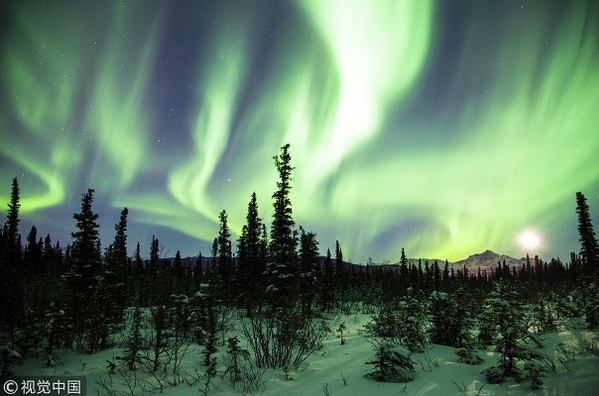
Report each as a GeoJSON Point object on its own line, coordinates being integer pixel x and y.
{"type": "Point", "coordinates": [11, 387]}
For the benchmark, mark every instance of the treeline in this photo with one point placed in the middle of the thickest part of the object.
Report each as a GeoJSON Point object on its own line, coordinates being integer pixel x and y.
{"type": "Point", "coordinates": [54, 298]}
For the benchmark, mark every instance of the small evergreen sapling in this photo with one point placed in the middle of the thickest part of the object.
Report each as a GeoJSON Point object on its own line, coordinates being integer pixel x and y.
{"type": "Point", "coordinates": [468, 355]}
{"type": "Point", "coordinates": [342, 328]}
{"type": "Point", "coordinates": [134, 342]}
{"type": "Point", "coordinates": [384, 324]}
{"type": "Point", "coordinates": [535, 372]}
{"type": "Point", "coordinates": [463, 339]}
{"type": "Point", "coordinates": [8, 358]}
{"type": "Point", "coordinates": [506, 317]}
{"type": "Point", "coordinates": [591, 306]}
{"type": "Point", "coordinates": [56, 332]}
{"type": "Point", "coordinates": [543, 316]}
{"type": "Point", "coordinates": [402, 322]}
{"type": "Point", "coordinates": [413, 321]}
{"type": "Point", "coordinates": [445, 321]}
{"type": "Point", "coordinates": [158, 340]}
{"type": "Point", "coordinates": [210, 345]}
{"type": "Point", "coordinates": [451, 320]}
{"type": "Point", "coordinates": [234, 359]}
{"type": "Point", "coordinates": [209, 375]}
{"type": "Point", "coordinates": [564, 355]}
{"type": "Point", "coordinates": [393, 363]}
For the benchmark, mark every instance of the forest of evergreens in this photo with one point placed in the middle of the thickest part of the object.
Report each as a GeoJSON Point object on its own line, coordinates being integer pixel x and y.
{"type": "Point", "coordinates": [277, 282]}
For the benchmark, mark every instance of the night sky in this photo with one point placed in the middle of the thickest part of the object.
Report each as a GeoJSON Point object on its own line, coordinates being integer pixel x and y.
{"type": "Point", "coordinates": [445, 127]}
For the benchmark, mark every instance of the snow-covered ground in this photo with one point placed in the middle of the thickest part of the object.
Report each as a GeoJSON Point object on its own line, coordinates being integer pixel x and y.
{"type": "Point", "coordinates": [339, 370]}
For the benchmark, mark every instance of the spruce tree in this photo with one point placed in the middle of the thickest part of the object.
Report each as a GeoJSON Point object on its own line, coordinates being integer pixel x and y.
{"type": "Point", "coordinates": [81, 280]}
{"type": "Point", "coordinates": [36, 293]}
{"type": "Point", "coordinates": [446, 275]}
{"type": "Point", "coordinates": [225, 255]}
{"type": "Point", "coordinates": [589, 249]}
{"type": "Point", "coordinates": [113, 283]}
{"type": "Point", "coordinates": [339, 276]}
{"type": "Point", "coordinates": [48, 256]}
{"type": "Point", "coordinates": [451, 321]}
{"type": "Point", "coordinates": [154, 253]}
{"type": "Point", "coordinates": [393, 363]}
{"type": "Point", "coordinates": [120, 239]}
{"type": "Point", "coordinates": [308, 262]}
{"type": "Point", "coordinates": [178, 274]}
{"type": "Point", "coordinates": [52, 256]}
{"type": "Point", "coordinates": [403, 263]}
{"type": "Point", "coordinates": [138, 265]}
{"type": "Point", "coordinates": [32, 254]}
{"type": "Point", "coordinates": [13, 248]}
{"type": "Point", "coordinates": [243, 278]}
{"type": "Point", "coordinates": [11, 273]}
{"type": "Point", "coordinates": [283, 240]}
{"type": "Point", "coordinates": [117, 262]}
{"type": "Point", "coordinates": [327, 283]}
{"type": "Point", "coordinates": [198, 271]}
{"type": "Point", "coordinates": [208, 310]}
{"type": "Point", "coordinates": [251, 257]}
{"type": "Point", "coordinates": [155, 289]}
{"type": "Point", "coordinates": [505, 322]}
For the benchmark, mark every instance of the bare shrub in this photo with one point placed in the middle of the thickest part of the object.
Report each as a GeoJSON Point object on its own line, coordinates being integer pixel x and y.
{"type": "Point", "coordinates": [283, 339]}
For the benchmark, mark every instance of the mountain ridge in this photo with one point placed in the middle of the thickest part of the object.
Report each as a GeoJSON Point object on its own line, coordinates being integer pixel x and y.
{"type": "Point", "coordinates": [488, 259]}
{"type": "Point", "coordinates": [483, 260]}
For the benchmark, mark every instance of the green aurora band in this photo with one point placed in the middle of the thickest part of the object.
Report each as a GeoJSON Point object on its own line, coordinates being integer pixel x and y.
{"type": "Point", "coordinates": [509, 138]}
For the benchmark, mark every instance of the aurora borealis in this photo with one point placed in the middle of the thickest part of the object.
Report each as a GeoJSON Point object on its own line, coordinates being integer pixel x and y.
{"type": "Point", "coordinates": [445, 127]}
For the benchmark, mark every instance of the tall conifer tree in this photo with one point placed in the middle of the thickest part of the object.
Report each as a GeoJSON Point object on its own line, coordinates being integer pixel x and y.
{"type": "Point", "coordinates": [138, 267]}
{"type": "Point", "coordinates": [283, 238]}
{"type": "Point", "coordinates": [225, 254]}
{"type": "Point", "coordinates": [340, 280]}
{"type": "Point", "coordinates": [113, 284]}
{"type": "Point", "coordinates": [309, 261]}
{"type": "Point", "coordinates": [251, 257]}
{"type": "Point", "coordinates": [13, 240]}
{"type": "Point", "coordinates": [327, 286]}
{"type": "Point", "coordinates": [11, 271]}
{"type": "Point", "coordinates": [32, 254]}
{"type": "Point", "coordinates": [82, 277]}
{"type": "Point", "coordinates": [589, 249]}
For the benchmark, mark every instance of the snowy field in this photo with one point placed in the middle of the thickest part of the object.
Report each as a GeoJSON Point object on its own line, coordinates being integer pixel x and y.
{"type": "Point", "coordinates": [338, 369]}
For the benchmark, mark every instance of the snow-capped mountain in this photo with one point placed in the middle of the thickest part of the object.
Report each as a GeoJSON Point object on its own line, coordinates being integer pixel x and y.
{"type": "Point", "coordinates": [488, 259]}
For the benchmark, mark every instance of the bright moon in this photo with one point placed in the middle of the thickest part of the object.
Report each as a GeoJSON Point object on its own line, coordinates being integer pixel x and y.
{"type": "Point", "coordinates": [529, 239]}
